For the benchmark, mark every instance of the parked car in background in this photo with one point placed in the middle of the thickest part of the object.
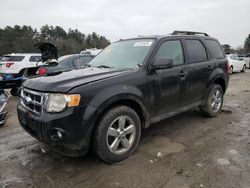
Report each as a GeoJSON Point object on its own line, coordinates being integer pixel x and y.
{"type": "Point", "coordinates": [15, 64]}
{"type": "Point", "coordinates": [131, 84]}
{"type": "Point", "coordinates": [92, 51]}
{"type": "Point", "coordinates": [247, 60]}
{"type": "Point", "coordinates": [236, 63]}
{"type": "Point", "coordinates": [64, 63]}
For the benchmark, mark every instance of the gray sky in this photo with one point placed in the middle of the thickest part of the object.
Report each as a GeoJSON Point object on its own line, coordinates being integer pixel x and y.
{"type": "Point", "coordinates": [226, 20]}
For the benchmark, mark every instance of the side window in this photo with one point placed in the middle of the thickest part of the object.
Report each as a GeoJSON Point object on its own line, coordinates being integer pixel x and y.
{"type": "Point", "coordinates": [215, 49]}
{"type": "Point", "coordinates": [233, 57]}
{"type": "Point", "coordinates": [196, 51]}
{"type": "Point", "coordinates": [80, 62]}
{"type": "Point", "coordinates": [172, 50]}
{"type": "Point", "coordinates": [35, 58]}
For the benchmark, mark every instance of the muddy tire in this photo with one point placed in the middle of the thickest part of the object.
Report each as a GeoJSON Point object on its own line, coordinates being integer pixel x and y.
{"type": "Point", "coordinates": [244, 68]}
{"type": "Point", "coordinates": [117, 134]}
{"type": "Point", "coordinates": [213, 101]}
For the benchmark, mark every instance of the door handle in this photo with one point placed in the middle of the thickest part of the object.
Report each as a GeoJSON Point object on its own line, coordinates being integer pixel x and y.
{"type": "Point", "coordinates": [182, 74]}
{"type": "Point", "coordinates": [209, 67]}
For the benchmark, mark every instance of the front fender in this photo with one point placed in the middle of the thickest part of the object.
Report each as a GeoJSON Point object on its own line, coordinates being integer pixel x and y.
{"type": "Point", "coordinates": [114, 94]}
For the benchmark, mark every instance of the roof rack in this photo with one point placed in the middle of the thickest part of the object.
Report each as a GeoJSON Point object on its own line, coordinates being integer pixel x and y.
{"type": "Point", "coordinates": [189, 33]}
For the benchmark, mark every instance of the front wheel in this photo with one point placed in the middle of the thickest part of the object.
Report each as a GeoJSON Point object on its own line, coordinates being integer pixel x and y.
{"type": "Point", "coordinates": [231, 70]}
{"type": "Point", "coordinates": [214, 101]}
{"type": "Point", "coordinates": [244, 68]}
{"type": "Point", "coordinates": [117, 134]}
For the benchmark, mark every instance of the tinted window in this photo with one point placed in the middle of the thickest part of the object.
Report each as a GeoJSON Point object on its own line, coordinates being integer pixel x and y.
{"type": "Point", "coordinates": [196, 51]}
{"type": "Point", "coordinates": [12, 58]}
{"type": "Point", "coordinates": [215, 49]}
{"type": "Point", "coordinates": [80, 62]}
{"type": "Point", "coordinates": [171, 50]}
{"type": "Point", "coordinates": [35, 58]}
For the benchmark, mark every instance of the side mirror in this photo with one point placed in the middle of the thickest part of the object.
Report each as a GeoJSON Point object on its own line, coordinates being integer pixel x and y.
{"type": "Point", "coordinates": [162, 63]}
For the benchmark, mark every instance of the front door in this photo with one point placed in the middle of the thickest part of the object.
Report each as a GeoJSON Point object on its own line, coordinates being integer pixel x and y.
{"type": "Point", "coordinates": [170, 85]}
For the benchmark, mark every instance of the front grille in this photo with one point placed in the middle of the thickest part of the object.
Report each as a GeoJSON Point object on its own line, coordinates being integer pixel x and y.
{"type": "Point", "coordinates": [32, 100]}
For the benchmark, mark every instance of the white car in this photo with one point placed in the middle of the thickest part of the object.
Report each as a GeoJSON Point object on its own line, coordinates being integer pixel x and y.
{"type": "Point", "coordinates": [247, 60]}
{"type": "Point", "coordinates": [236, 63]}
{"type": "Point", "coordinates": [16, 63]}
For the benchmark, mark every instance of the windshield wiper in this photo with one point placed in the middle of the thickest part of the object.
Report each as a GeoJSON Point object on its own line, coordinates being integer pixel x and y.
{"type": "Point", "coordinates": [104, 66]}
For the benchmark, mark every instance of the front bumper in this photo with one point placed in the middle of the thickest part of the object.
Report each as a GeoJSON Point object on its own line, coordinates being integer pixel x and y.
{"type": "Point", "coordinates": [72, 123]}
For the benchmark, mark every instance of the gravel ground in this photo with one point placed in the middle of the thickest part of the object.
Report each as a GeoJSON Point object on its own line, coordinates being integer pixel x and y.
{"type": "Point", "coordinates": [186, 151]}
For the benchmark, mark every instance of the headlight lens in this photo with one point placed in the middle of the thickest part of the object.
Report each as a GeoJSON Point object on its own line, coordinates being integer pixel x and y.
{"type": "Point", "coordinates": [58, 102]}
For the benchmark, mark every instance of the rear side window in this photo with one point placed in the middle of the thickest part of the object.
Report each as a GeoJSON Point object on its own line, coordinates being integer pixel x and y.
{"type": "Point", "coordinates": [215, 49]}
{"type": "Point", "coordinates": [171, 50]}
{"type": "Point", "coordinates": [196, 51]}
{"type": "Point", "coordinates": [35, 58]}
{"type": "Point", "coordinates": [12, 58]}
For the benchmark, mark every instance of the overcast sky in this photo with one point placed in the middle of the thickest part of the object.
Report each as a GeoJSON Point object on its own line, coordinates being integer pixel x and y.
{"type": "Point", "coordinates": [224, 19]}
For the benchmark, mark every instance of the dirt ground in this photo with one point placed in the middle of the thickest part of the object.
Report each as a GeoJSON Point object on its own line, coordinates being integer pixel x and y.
{"type": "Point", "coordinates": [186, 151]}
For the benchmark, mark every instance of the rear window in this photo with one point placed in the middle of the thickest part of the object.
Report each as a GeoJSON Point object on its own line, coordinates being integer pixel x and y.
{"type": "Point", "coordinates": [12, 58]}
{"type": "Point", "coordinates": [35, 58]}
{"type": "Point", "coordinates": [196, 51]}
{"type": "Point", "coordinates": [215, 49]}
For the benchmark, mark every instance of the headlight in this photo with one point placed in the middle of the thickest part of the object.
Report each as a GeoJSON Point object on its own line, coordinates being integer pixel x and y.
{"type": "Point", "coordinates": [58, 102]}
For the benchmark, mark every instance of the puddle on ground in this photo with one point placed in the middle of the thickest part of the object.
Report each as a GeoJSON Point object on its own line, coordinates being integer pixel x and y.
{"type": "Point", "coordinates": [223, 161]}
{"type": "Point", "coordinates": [233, 151]}
{"type": "Point", "coordinates": [161, 144]}
{"type": "Point", "coordinates": [233, 104]}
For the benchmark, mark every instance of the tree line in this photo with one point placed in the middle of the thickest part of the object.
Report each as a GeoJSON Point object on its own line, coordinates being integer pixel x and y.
{"type": "Point", "coordinates": [240, 50]}
{"type": "Point", "coordinates": [21, 39]}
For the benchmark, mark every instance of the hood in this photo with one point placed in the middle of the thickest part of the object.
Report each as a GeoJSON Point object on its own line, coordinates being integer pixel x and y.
{"type": "Point", "coordinates": [48, 50]}
{"type": "Point", "coordinates": [65, 81]}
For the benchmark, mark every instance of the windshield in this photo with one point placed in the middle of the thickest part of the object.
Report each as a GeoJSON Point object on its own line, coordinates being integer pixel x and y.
{"type": "Point", "coordinates": [123, 54]}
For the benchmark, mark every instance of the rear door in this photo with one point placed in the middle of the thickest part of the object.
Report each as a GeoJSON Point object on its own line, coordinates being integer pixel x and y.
{"type": "Point", "coordinates": [200, 67]}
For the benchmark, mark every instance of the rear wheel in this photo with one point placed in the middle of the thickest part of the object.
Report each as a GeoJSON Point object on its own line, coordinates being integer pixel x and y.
{"type": "Point", "coordinates": [214, 101]}
{"type": "Point", "coordinates": [231, 70]}
{"type": "Point", "coordinates": [244, 68]}
{"type": "Point", "coordinates": [117, 134]}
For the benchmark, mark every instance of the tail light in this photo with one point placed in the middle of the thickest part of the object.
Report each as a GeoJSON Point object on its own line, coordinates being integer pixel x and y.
{"type": "Point", "coordinates": [41, 71]}
{"type": "Point", "coordinates": [9, 64]}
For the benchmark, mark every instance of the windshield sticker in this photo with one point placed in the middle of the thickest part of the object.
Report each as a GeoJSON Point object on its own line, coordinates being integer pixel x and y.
{"type": "Point", "coordinates": [144, 43]}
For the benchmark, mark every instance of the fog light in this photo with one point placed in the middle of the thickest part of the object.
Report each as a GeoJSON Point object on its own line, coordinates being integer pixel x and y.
{"type": "Point", "coordinates": [59, 134]}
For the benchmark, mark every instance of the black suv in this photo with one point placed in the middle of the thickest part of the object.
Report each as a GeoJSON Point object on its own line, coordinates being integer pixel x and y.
{"type": "Point", "coordinates": [128, 86]}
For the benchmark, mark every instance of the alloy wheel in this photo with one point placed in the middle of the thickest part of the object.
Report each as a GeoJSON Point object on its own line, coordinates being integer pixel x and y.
{"type": "Point", "coordinates": [216, 100]}
{"type": "Point", "coordinates": [121, 135]}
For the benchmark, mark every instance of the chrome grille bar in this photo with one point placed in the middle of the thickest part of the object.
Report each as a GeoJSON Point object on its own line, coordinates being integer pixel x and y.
{"type": "Point", "coordinates": [32, 100]}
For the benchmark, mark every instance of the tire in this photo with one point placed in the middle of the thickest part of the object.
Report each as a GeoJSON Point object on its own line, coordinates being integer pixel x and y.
{"type": "Point", "coordinates": [244, 68]}
{"type": "Point", "coordinates": [109, 140]}
{"type": "Point", "coordinates": [15, 92]}
{"type": "Point", "coordinates": [231, 70]}
{"type": "Point", "coordinates": [211, 108]}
